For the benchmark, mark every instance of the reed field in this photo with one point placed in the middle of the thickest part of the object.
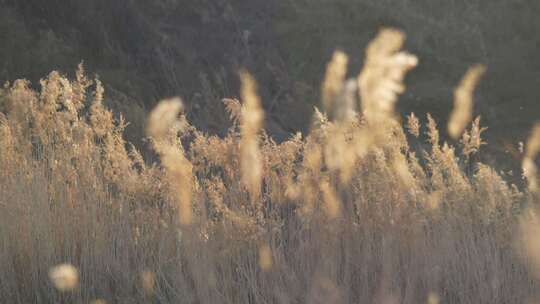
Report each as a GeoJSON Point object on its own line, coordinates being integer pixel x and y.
{"type": "Point", "coordinates": [368, 207]}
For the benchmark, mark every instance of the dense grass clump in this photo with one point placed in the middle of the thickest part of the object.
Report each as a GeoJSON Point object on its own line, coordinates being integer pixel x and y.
{"type": "Point", "coordinates": [357, 211]}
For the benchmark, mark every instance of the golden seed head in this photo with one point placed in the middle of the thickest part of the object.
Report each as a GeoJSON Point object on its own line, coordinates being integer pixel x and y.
{"type": "Point", "coordinates": [65, 277]}
{"type": "Point", "coordinates": [148, 282]}
{"type": "Point", "coordinates": [462, 113]}
{"type": "Point", "coordinates": [265, 257]}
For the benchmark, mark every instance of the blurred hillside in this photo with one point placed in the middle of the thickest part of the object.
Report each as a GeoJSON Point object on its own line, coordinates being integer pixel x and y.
{"type": "Point", "coordinates": [147, 50]}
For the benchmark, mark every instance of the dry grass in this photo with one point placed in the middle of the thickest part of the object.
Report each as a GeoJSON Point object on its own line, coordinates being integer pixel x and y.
{"type": "Point", "coordinates": [347, 214]}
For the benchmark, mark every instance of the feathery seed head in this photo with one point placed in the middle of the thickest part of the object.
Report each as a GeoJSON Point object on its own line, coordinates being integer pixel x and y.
{"type": "Point", "coordinates": [65, 277]}
{"type": "Point", "coordinates": [463, 101]}
{"type": "Point", "coordinates": [252, 119]}
{"type": "Point", "coordinates": [336, 71]}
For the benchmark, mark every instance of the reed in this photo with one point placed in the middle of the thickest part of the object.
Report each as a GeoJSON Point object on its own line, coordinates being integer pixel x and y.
{"type": "Point", "coordinates": [348, 213]}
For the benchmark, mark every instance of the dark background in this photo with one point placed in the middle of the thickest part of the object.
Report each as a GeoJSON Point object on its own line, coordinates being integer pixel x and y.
{"type": "Point", "coordinates": [146, 50]}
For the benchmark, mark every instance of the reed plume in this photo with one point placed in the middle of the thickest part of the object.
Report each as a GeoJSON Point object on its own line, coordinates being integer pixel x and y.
{"type": "Point", "coordinates": [462, 113]}
{"type": "Point", "coordinates": [530, 170]}
{"type": "Point", "coordinates": [334, 81]}
{"type": "Point", "coordinates": [163, 127]}
{"type": "Point", "coordinates": [381, 78]}
{"type": "Point", "coordinates": [252, 120]}
{"type": "Point", "coordinates": [65, 277]}
{"type": "Point", "coordinates": [413, 125]}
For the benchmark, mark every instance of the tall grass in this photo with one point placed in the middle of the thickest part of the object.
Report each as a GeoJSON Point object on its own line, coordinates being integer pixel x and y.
{"type": "Point", "coordinates": [349, 213]}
